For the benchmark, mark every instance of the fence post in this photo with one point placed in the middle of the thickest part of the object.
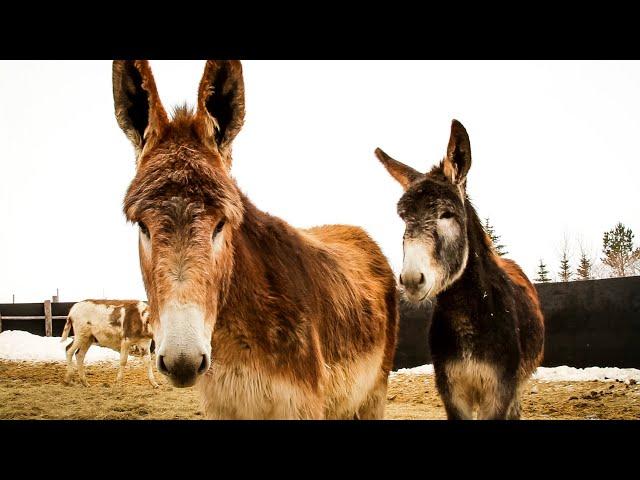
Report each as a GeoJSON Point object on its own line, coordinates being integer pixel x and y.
{"type": "Point", "coordinates": [48, 323]}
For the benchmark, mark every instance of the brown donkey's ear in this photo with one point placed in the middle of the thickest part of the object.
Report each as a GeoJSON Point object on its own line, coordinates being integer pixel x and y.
{"type": "Point", "coordinates": [458, 159]}
{"type": "Point", "coordinates": [404, 174]}
{"type": "Point", "coordinates": [221, 103]}
{"type": "Point", "coordinates": [139, 111]}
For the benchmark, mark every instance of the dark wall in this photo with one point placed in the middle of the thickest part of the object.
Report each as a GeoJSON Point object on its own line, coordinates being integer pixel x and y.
{"type": "Point", "coordinates": [588, 323]}
{"type": "Point", "coordinates": [592, 322]}
{"type": "Point", "coordinates": [412, 349]}
{"type": "Point", "coordinates": [32, 309]}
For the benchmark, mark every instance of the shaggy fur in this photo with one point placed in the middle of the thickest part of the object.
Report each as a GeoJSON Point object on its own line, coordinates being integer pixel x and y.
{"type": "Point", "coordinates": [487, 332]}
{"type": "Point", "coordinates": [303, 322]}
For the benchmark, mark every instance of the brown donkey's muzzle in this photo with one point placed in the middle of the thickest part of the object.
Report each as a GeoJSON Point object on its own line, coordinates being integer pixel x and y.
{"type": "Point", "coordinates": [184, 344]}
{"type": "Point", "coordinates": [183, 370]}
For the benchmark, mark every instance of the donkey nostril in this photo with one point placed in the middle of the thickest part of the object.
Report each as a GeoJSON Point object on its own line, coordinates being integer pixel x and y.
{"type": "Point", "coordinates": [161, 366]}
{"type": "Point", "coordinates": [401, 282]}
{"type": "Point", "coordinates": [204, 365]}
{"type": "Point", "coordinates": [421, 279]}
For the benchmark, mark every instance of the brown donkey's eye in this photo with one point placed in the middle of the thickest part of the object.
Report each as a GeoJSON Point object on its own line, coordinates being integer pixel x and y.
{"type": "Point", "coordinates": [447, 214]}
{"type": "Point", "coordinates": [143, 228]}
{"type": "Point", "coordinates": [218, 229]}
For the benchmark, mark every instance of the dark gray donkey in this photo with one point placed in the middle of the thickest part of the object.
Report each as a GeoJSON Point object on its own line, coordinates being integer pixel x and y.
{"type": "Point", "coordinates": [487, 332]}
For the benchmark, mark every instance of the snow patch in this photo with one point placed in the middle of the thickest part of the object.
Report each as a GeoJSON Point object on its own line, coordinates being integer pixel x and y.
{"type": "Point", "coordinates": [557, 374]}
{"type": "Point", "coordinates": [571, 374]}
{"type": "Point", "coordinates": [421, 370]}
{"type": "Point", "coordinates": [17, 345]}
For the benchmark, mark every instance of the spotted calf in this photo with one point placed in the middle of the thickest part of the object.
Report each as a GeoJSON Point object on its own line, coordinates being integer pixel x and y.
{"type": "Point", "coordinates": [116, 324]}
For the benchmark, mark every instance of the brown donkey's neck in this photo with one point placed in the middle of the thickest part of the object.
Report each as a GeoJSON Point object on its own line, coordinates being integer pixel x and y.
{"type": "Point", "coordinates": [272, 270]}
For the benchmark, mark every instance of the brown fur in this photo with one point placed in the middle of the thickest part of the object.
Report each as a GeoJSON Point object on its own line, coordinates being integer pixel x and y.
{"type": "Point", "coordinates": [115, 317]}
{"type": "Point", "coordinates": [292, 311]}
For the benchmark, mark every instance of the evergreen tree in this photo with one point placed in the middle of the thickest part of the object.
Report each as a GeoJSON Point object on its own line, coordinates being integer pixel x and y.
{"type": "Point", "coordinates": [542, 273]}
{"type": "Point", "coordinates": [584, 268]}
{"type": "Point", "coordinates": [499, 248]}
{"type": "Point", "coordinates": [565, 269]}
{"type": "Point", "coordinates": [619, 255]}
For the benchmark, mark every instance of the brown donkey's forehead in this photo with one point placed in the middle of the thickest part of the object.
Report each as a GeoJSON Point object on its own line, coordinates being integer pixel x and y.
{"type": "Point", "coordinates": [186, 171]}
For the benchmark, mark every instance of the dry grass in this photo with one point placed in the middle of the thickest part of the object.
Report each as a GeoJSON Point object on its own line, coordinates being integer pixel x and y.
{"type": "Point", "coordinates": [35, 391]}
{"type": "Point", "coordinates": [415, 397]}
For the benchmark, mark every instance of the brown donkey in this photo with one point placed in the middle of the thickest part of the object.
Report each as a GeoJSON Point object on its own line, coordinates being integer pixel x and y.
{"type": "Point", "coordinates": [268, 320]}
{"type": "Point", "coordinates": [487, 331]}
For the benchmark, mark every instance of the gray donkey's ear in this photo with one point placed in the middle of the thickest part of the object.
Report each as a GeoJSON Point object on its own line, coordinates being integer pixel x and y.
{"type": "Point", "coordinates": [404, 174]}
{"type": "Point", "coordinates": [458, 160]}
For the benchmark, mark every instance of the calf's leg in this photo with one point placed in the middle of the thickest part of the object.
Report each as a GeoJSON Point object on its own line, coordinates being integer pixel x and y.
{"type": "Point", "coordinates": [82, 351]}
{"type": "Point", "coordinates": [124, 356]}
{"type": "Point", "coordinates": [71, 349]}
{"type": "Point", "coordinates": [146, 350]}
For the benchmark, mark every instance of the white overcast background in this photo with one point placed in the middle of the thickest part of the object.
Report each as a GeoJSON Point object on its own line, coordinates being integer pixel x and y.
{"type": "Point", "coordinates": [554, 146]}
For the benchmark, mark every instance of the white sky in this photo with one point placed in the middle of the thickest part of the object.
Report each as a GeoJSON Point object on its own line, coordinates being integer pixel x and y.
{"type": "Point", "coordinates": [554, 154]}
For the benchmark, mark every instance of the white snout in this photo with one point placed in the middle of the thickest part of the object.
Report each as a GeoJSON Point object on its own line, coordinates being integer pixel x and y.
{"type": "Point", "coordinates": [184, 343]}
{"type": "Point", "coordinates": [419, 274]}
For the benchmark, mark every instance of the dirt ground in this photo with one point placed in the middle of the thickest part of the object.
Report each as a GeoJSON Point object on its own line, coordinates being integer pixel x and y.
{"type": "Point", "coordinates": [35, 391]}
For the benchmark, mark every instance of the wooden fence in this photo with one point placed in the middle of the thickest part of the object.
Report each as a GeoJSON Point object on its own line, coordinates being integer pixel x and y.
{"type": "Point", "coordinates": [47, 317]}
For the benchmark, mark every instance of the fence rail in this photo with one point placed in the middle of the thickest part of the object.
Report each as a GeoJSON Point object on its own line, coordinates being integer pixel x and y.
{"type": "Point", "coordinates": [47, 317]}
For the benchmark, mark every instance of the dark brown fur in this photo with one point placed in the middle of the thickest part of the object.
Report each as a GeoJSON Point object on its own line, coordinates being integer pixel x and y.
{"type": "Point", "coordinates": [487, 332]}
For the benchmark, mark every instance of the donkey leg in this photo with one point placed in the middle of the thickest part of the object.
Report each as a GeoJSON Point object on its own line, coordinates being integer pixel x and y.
{"type": "Point", "coordinates": [495, 404]}
{"type": "Point", "coordinates": [515, 408]}
{"type": "Point", "coordinates": [456, 399]}
{"type": "Point", "coordinates": [124, 356]}
{"type": "Point", "coordinates": [514, 411]}
{"type": "Point", "coordinates": [82, 351]}
{"type": "Point", "coordinates": [373, 406]}
{"type": "Point", "coordinates": [457, 407]}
